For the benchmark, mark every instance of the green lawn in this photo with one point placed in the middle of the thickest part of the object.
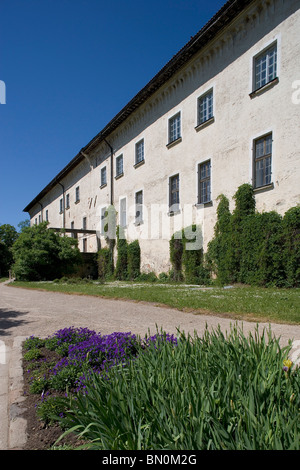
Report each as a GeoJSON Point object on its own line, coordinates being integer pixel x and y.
{"type": "Point", "coordinates": [239, 302]}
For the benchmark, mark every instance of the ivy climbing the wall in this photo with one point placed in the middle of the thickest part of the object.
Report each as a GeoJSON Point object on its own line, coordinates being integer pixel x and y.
{"type": "Point", "coordinates": [187, 257]}
{"type": "Point", "coordinates": [255, 248]}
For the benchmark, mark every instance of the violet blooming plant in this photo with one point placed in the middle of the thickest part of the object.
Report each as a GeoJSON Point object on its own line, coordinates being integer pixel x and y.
{"type": "Point", "coordinates": [83, 351]}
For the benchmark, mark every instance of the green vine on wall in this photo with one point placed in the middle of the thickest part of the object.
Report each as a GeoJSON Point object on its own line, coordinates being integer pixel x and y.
{"type": "Point", "coordinates": [255, 248]}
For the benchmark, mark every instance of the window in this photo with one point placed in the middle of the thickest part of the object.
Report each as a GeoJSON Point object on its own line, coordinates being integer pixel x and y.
{"type": "Point", "coordinates": [39, 218]}
{"type": "Point", "coordinates": [139, 152]}
{"type": "Point", "coordinates": [103, 219]}
{"type": "Point", "coordinates": [103, 177]}
{"type": "Point", "coordinates": [61, 205]}
{"type": "Point", "coordinates": [84, 245]}
{"type": "Point", "coordinates": [77, 194]}
{"type": "Point", "coordinates": [174, 193]}
{"type": "Point", "coordinates": [205, 107]}
{"type": "Point", "coordinates": [119, 165]}
{"type": "Point", "coordinates": [47, 216]}
{"type": "Point", "coordinates": [84, 223]}
{"type": "Point", "coordinates": [67, 201]}
{"type": "Point", "coordinates": [123, 221]}
{"type": "Point", "coordinates": [139, 207]}
{"type": "Point", "coordinates": [262, 161]}
{"type": "Point", "coordinates": [72, 227]}
{"type": "Point", "coordinates": [204, 184]}
{"type": "Point", "coordinates": [174, 128]}
{"type": "Point", "coordinates": [265, 67]}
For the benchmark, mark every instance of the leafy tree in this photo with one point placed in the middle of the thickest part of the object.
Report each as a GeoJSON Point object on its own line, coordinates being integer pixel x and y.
{"type": "Point", "coordinates": [41, 254]}
{"type": "Point", "coordinates": [8, 235]}
{"type": "Point", "coordinates": [23, 224]}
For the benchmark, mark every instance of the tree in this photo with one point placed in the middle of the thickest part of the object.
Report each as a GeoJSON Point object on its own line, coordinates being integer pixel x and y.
{"type": "Point", "coordinates": [23, 224]}
{"type": "Point", "coordinates": [41, 254]}
{"type": "Point", "coordinates": [8, 235]}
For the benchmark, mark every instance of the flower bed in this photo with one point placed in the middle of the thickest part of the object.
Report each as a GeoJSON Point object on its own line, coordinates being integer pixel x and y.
{"type": "Point", "coordinates": [120, 391]}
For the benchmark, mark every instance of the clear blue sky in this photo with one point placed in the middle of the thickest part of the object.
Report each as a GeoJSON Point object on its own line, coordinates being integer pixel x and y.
{"type": "Point", "coordinates": [69, 67]}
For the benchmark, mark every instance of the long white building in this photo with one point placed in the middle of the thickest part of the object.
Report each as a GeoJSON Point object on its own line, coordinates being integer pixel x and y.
{"type": "Point", "coordinates": [224, 111]}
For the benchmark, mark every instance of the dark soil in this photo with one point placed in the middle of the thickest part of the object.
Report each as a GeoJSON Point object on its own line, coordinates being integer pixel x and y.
{"type": "Point", "coordinates": [42, 436]}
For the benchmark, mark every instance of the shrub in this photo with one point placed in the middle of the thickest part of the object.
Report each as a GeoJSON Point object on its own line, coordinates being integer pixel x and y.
{"type": "Point", "coordinates": [291, 250]}
{"type": "Point", "coordinates": [187, 258]}
{"type": "Point", "coordinates": [147, 277]}
{"type": "Point", "coordinates": [121, 272]}
{"type": "Point", "coordinates": [255, 248]}
{"type": "Point", "coordinates": [176, 251]}
{"type": "Point", "coordinates": [41, 254]}
{"type": "Point", "coordinates": [133, 260]}
{"type": "Point", "coordinates": [105, 267]}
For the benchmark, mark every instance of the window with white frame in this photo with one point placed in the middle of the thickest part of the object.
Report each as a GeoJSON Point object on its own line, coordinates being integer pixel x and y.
{"type": "Point", "coordinates": [139, 207]}
{"type": "Point", "coordinates": [205, 107]}
{"type": "Point", "coordinates": [262, 165]}
{"type": "Point", "coordinates": [123, 215]}
{"type": "Point", "coordinates": [265, 67]}
{"type": "Point", "coordinates": [174, 128]}
{"type": "Point", "coordinates": [119, 165]}
{"type": "Point", "coordinates": [204, 182]}
{"type": "Point", "coordinates": [67, 201]}
{"type": "Point", "coordinates": [103, 176]}
{"type": "Point", "coordinates": [47, 215]}
{"type": "Point", "coordinates": [174, 193]}
{"type": "Point", "coordinates": [139, 152]}
{"type": "Point", "coordinates": [61, 205]}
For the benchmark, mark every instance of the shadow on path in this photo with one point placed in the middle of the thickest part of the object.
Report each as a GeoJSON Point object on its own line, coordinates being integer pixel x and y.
{"type": "Point", "coordinates": [10, 319]}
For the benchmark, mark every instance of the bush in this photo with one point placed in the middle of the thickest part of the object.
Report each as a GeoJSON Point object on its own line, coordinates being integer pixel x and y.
{"type": "Point", "coordinates": [176, 251]}
{"type": "Point", "coordinates": [121, 272]}
{"type": "Point", "coordinates": [147, 277]}
{"type": "Point", "coordinates": [254, 248]}
{"type": "Point", "coordinates": [187, 258]}
{"type": "Point", "coordinates": [133, 260]}
{"type": "Point", "coordinates": [105, 266]}
{"type": "Point", "coordinates": [41, 254]}
{"type": "Point", "coordinates": [291, 250]}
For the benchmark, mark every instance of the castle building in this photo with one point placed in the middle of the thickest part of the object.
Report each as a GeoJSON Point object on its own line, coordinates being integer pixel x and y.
{"type": "Point", "coordinates": [224, 111]}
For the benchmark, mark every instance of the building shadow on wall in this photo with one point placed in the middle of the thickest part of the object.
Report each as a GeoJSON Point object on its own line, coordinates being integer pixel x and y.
{"type": "Point", "coordinates": [10, 319]}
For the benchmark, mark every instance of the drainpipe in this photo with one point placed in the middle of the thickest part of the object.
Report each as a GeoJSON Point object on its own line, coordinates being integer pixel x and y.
{"type": "Point", "coordinates": [64, 221]}
{"type": "Point", "coordinates": [111, 173]}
